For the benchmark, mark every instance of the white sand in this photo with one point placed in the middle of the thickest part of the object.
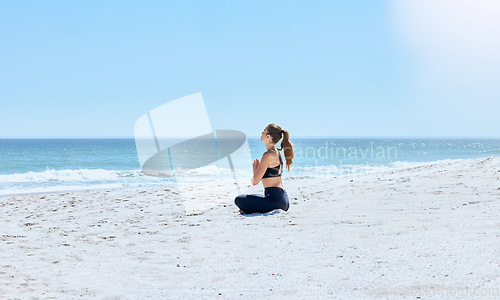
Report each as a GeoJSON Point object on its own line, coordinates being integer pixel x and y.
{"type": "Point", "coordinates": [433, 228]}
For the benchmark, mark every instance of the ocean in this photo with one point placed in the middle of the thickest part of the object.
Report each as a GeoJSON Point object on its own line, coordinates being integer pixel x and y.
{"type": "Point", "coordinates": [32, 165]}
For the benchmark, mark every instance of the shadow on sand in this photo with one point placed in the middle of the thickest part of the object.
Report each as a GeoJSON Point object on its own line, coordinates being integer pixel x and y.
{"type": "Point", "coordinates": [269, 213]}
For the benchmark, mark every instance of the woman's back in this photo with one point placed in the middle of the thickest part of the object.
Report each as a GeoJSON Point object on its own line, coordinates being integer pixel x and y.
{"type": "Point", "coordinates": [272, 176]}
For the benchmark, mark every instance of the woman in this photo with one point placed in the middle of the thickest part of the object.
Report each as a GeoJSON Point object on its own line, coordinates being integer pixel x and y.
{"type": "Point", "coordinates": [269, 170]}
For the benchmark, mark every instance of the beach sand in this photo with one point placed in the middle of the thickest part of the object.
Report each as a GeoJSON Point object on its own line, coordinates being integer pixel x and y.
{"type": "Point", "coordinates": [430, 230]}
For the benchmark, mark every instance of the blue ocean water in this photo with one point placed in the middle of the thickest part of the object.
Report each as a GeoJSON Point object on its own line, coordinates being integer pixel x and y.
{"type": "Point", "coordinates": [30, 165]}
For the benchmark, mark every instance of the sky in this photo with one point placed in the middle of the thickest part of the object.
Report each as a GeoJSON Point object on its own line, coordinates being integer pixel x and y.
{"type": "Point", "coordinates": [316, 68]}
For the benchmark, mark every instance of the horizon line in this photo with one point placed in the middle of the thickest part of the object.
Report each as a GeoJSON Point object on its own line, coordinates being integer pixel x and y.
{"type": "Point", "coordinates": [298, 136]}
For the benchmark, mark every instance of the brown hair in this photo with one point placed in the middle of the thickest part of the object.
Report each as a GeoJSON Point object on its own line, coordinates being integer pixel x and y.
{"type": "Point", "coordinates": [277, 133]}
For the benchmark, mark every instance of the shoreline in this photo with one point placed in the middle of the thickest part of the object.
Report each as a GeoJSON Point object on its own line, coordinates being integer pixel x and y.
{"type": "Point", "coordinates": [287, 177]}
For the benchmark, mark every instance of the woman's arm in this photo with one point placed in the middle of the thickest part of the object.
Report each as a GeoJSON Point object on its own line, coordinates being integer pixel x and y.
{"type": "Point", "coordinates": [259, 168]}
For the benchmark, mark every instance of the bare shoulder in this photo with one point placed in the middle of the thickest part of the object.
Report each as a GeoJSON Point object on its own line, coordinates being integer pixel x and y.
{"type": "Point", "coordinates": [268, 155]}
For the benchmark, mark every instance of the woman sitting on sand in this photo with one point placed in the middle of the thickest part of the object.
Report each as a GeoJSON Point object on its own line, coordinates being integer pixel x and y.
{"type": "Point", "coordinates": [275, 195]}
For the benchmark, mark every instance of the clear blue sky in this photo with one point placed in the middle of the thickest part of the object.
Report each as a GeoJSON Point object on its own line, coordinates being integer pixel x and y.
{"type": "Point", "coordinates": [317, 68]}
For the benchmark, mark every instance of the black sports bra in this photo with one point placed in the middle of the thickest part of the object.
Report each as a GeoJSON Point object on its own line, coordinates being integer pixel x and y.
{"type": "Point", "coordinates": [274, 171]}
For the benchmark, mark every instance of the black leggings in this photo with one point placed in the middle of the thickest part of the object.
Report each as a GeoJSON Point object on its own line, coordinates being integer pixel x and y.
{"type": "Point", "coordinates": [275, 197]}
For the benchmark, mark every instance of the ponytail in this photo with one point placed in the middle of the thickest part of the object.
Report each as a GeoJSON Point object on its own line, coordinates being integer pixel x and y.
{"type": "Point", "coordinates": [285, 144]}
